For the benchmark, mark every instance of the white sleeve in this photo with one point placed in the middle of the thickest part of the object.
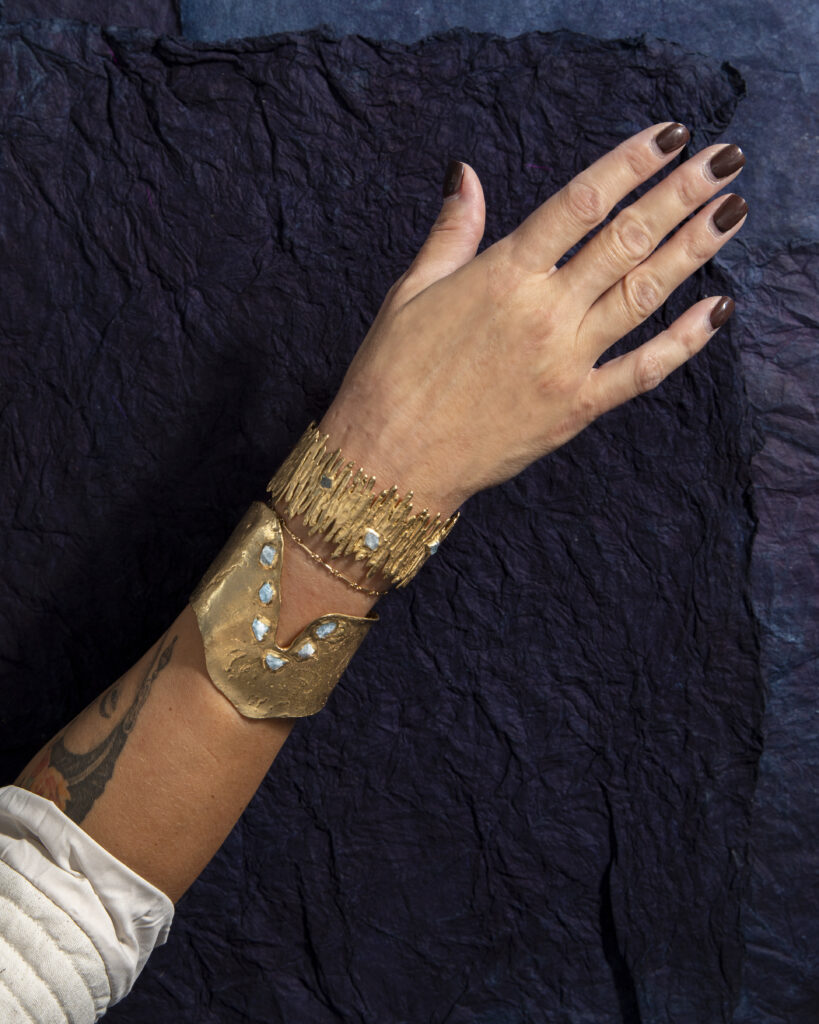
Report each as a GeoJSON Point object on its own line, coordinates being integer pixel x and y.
{"type": "Point", "coordinates": [76, 925]}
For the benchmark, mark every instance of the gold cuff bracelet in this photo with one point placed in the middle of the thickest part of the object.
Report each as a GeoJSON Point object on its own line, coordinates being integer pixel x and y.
{"type": "Point", "coordinates": [340, 506]}
{"type": "Point", "coordinates": [237, 607]}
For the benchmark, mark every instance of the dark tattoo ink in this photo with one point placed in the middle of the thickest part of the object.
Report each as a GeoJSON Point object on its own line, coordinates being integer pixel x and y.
{"type": "Point", "coordinates": [75, 781]}
{"type": "Point", "coordinates": [108, 702]}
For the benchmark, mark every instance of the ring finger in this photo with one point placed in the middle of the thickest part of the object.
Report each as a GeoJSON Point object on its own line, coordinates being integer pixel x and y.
{"type": "Point", "coordinates": [637, 295]}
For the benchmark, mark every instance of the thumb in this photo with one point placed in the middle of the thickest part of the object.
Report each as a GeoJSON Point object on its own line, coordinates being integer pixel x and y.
{"type": "Point", "coordinates": [456, 233]}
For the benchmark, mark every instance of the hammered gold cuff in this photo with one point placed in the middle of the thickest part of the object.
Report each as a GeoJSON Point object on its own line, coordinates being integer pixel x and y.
{"type": "Point", "coordinates": [339, 504]}
{"type": "Point", "coordinates": [237, 605]}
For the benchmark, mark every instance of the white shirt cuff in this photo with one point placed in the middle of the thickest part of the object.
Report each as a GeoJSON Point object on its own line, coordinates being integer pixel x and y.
{"type": "Point", "coordinates": [123, 914]}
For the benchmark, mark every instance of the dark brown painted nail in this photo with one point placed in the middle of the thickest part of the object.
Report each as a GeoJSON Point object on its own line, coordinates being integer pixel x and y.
{"type": "Point", "coordinates": [672, 137]}
{"type": "Point", "coordinates": [453, 178]}
{"type": "Point", "coordinates": [730, 212]}
{"type": "Point", "coordinates": [723, 309]}
{"type": "Point", "coordinates": [726, 161]}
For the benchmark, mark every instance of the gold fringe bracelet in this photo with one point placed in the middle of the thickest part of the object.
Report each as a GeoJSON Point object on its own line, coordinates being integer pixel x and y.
{"type": "Point", "coordinates": [339, 505]}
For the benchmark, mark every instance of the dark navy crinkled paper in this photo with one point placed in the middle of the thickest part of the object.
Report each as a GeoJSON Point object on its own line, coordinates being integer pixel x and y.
{"type": "Point", "coordinates": [530, 796]}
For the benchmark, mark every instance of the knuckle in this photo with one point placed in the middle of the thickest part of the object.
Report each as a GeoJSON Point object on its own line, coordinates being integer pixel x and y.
{"type": "Point", "coordinates": [554, 308]}
{"type": "Point", "coordinates": [556, 384]}
{"type": "Point", "coordinates": [629, 238]}
{"type": "Point", "coordinates": [499, 281]}
{"type": "Point", "coordinates": [640, 162]}
{"type": "Point", "coordinates": [691, 342]}
{"type": "Point", "coordinates": [641, 295]}
{"type": "Point", "coordinates": [502, 275]}
{"type": "Point", "coordinates": [648, 372]}
{"type": "Point", "coordinates": [687, 190]}
{"type": "Point", "coordinates": [697, 249]}
{"type": "Point", "coordinates": [587, 407]}
{"type": "Point", "coordinates": [543, 322]}
{"type": "Point", "coordinates": [583, 203]}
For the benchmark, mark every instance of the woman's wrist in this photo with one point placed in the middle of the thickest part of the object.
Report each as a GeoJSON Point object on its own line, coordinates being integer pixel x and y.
{"type": "Point", "coordinates": [406, 463]}
{"type": "Point", "coordinates": [331, 512]}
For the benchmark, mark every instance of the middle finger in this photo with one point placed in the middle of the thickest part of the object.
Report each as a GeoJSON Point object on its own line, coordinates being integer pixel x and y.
{"type": "Point", "coordinates": [637, 230]}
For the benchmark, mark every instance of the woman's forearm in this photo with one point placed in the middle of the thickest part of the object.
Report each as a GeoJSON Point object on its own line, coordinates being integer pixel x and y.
{"type": "Point", "coordinates": [162, 764]}
{"type": "Point", "coordinates": [475, 367]}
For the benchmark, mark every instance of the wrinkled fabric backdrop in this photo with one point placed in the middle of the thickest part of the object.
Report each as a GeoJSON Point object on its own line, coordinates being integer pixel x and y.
{"type": "Point", "coordinates": [561, 781]}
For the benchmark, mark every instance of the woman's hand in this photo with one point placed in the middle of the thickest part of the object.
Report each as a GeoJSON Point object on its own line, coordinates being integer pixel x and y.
{"type": "Point", "coordinates": [477, 366]}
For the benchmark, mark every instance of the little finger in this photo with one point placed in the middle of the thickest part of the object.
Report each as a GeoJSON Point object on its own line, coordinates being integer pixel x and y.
{"type": "Point", "coordinates": [642, 369]}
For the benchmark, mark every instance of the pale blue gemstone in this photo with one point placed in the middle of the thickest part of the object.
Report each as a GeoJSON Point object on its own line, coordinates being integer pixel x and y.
{"type": "Point", "coordinates": [326, 481]}
{"type": "Point", "coordinates": [259, 628]}
{"type": "Point", "coordinates": [268, 555]}
{"type": "Point", "coordinates": [266, 593]}
{"type": "Point", "coordinates": [325, 629]}
{"type": "Point", "coordinates": [371, 539]}
{"type": "Point", "coordinates": [433, 547]}
{"type": "Point", "coordinates": [273, 662]}
{"type": "Point", "coordinates": [306, 650]}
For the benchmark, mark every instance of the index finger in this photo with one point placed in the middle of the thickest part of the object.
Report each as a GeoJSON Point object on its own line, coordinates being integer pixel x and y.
{"type": "Point", "coordinates": [571, 213]}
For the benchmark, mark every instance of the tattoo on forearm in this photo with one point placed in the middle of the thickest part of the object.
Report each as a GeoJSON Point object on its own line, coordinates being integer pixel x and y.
{"type": "Point", "coordinates": [75, 781]}
{"type": "Point", "coordinates": [108, 701]}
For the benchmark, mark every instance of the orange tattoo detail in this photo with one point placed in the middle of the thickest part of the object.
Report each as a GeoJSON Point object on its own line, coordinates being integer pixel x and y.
{"type": "Point", "coordinates": [47, 781]}
{"type": "Point", "coordinates": [74, 781]}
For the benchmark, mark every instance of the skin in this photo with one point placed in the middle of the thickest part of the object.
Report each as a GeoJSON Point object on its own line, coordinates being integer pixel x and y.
{"type": "Point", "coordinates": [495, 355]}
{"type": "Point", "coordinates": [475, 367]}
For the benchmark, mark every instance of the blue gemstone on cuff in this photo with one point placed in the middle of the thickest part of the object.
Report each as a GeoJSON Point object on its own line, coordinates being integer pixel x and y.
{"type": "Point", "coordinates": [306, 650]}
{"type": "Point", "coordinates": [433, 547]}
{"type": "Point", "coordinates": [326, 481]}
{"type": "Point", "coordinates": [259, 628]}
{"type": "Point", "coordinates": [274, 662]}
{"type": "Point", "coordinates": [266, 593]}
{"type": "Point", "coordinates": [372, 540]}
{"type": "Point", "coordinates": [268, 555]}
{"type": "Point", "coordinates": [325, 629]}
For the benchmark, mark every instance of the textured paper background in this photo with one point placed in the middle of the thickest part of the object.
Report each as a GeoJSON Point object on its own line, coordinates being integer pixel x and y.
{"type": "Point", "coordinates": [533, 793]}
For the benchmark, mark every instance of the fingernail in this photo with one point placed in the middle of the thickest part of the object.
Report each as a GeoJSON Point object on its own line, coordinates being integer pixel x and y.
{"type": "Point", "coordinates": [672, 137]}
{"type": "Point", "coordinates": [453, 177]}
{"type": "Point", "coordinates": [726, 161]}
{"type": "Point", "coordinates": [730, 212]}
{"type": "Point", "coordinates": [723, 309]}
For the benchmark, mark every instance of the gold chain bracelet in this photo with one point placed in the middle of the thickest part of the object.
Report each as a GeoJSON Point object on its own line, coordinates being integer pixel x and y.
{"type": "Point", "coordinates": [337, 502]}
{"type": "Point", "coordinates": [335, 572]}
